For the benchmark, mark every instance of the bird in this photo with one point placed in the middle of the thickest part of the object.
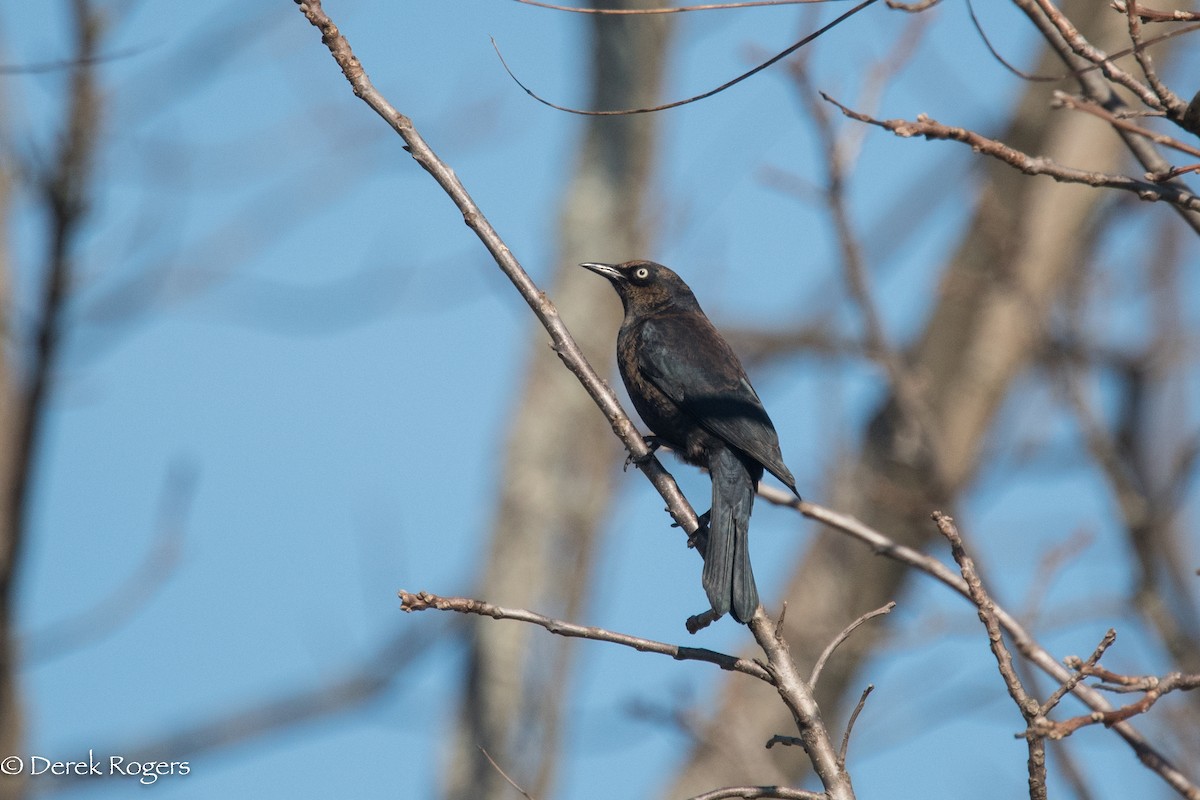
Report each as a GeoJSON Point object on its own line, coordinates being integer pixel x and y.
{"type": "Point", "coordinates": [691, 390]}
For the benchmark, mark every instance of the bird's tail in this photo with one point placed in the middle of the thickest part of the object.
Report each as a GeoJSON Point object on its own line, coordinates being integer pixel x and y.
{"type": "Point", "coordinates": [728, 579]}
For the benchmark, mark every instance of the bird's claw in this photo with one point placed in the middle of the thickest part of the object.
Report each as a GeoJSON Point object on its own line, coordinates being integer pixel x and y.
{"type": "Point", "coordinates": [653, 443]}
{"type": "Point", "coordinates": [701, 532]}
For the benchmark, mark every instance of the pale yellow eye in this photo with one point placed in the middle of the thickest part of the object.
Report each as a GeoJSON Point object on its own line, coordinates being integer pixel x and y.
{"type": "Point", "coordinates": [641, 273]}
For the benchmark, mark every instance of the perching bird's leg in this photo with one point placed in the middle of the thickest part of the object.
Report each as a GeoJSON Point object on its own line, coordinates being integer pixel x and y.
{"type": "Point", "coordinates": [653, 442]}
{"type": "Point", "coordinates": [699, 537]}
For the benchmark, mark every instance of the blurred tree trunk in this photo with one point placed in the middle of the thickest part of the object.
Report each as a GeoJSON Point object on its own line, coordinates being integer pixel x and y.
{"type": "Point", "coordinates": [10, 713]}
{"type": "Point", "coordinates": [988, 324]}
{"type": "Point", "coordinates": [557, 474]}
{"type": "Point", "coordinates": [24, 402]}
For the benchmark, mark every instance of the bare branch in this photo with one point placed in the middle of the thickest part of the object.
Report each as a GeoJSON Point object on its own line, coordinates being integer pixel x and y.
{"type": "Point", "coordinates": [862, 701]}
{"type": "Point", "coordinates": [798, 697]}
{"type": "Point", "coordinates": [1151, 15]}
{"type": "Point", "coordinates": [845, 634]}
{"type": "Point", "coordinates": [1070, 684]}
{"type": "Point", "coordinates": [1095, 109]}
{"type": "Point", "coordinates": [1140, 46]}
{"type": "Point", "coordinates": [788, 741]}
{"type": "Point", "coordinates": [1030, 709]}
{"type": "Point", "coordinates": [912, 8]}
{"type": "Point", "coordinates": [757, 792]}
{"type": "Point", "coordinates": [703, 95]}
{"type": "Point", "coordinates": [1001, 59]}
{"type": "Point", "coordinates": [1085, 50]}
{"type": "Point", "coordinates": [504, 774]}
{"type": "Point", "coordinates": [1174, 105]}
{"type": "Point", "coordinates": [1174, 194]}
{"type": "Point", "coordinates": [1153, 687]}
{"type": "Point", "coordinates": [1172, 173]}
{"type": "Point", "coordinates": [423, 601]}
{"type": "Point", "coordinates": [674, 10]}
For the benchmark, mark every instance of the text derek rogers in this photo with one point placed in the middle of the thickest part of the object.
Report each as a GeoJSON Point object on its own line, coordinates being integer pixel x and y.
{"type": "Point", "coordinates": [147, 772]}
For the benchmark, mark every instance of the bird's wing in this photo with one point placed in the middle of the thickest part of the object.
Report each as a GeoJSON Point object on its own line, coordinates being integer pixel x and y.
{"type": "Point", "coordinates": [690, 363]}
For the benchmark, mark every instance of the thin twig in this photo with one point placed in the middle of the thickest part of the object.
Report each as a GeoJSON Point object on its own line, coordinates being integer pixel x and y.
{"type": "Point", "coordinates": [1080, 673]}
{"type": "Point", "coordinates": [987, 42]}
{"type": "Point", "coordinates": [669, 10]}
{"type": "Point", "coordinates": [1030, 709]}
{"type": "Point", "coordinates": [1174, 105]}
{"type": "Point", "coordinates": [1174, 194]}
{"type": "Point", "coordinates": [1082, 71]}
{"type": "Point", "coordinates": [1095, 109]}
{"type": "Point", "coordinates": [845, 634]}
{"type": "Point", "coordinates": [1160, 686]}
{"type": "Point", "coordinates": [703, 95]}
{"type": "Point", "coordinates": [787, 741]}
{"type": "Point", "coordinates": [423, 601]}
{"type": "Point", "coordinates": [1151, 15]}
{"type": "Point", "coordinates": [862, 701]}
{"type": "Point", "coordinates": [760, 793]}
{"type": "Point", "coordinates": [912, 8]}
{"type": "Point", "coordinates": [1172, 173]}
{"type": "Point", "coordinates": [1087, 51]}
{"type": "Point", "coordinates": [503, 774]}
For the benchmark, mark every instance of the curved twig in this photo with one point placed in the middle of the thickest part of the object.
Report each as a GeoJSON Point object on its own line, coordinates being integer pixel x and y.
{"type": "Point", "coordinates": [703, 95]}
{"type": "Point", "coordinates": [759, 793]}
{"type": "Point", "coordinates": [843, 636]}
{"type": "Point", "coordinates": [674, 10]}
{"type": "Point", "coordinates": [862, 702]}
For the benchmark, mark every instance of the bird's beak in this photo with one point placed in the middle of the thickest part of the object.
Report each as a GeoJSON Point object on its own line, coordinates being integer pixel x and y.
{"type": "Point", "coordinates": [607, 270]}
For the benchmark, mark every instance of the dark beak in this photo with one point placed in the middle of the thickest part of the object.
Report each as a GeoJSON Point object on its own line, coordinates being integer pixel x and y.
{"type": "Point", "coordinates": [607, 270]}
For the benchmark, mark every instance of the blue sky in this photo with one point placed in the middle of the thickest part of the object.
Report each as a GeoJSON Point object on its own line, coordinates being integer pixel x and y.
{"type": "Point", "coordinates": [317, 340]}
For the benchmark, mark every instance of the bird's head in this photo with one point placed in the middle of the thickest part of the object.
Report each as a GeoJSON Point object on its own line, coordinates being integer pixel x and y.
{"type": "Point", "coordinates": [645, 285]}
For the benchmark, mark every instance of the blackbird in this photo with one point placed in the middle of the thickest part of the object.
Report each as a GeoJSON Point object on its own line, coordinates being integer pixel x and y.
{"type": "Point", "coordinates": [692, 392]}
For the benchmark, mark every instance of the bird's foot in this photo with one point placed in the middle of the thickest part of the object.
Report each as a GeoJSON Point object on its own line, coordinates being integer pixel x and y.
{"type": "Point", "coordinates": [700, 535]}
{"type": "Point", "coordinates": [652, 442]}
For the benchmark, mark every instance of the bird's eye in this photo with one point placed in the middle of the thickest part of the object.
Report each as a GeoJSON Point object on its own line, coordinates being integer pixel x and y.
{"type": "Point", "coordinates": [641, 273]}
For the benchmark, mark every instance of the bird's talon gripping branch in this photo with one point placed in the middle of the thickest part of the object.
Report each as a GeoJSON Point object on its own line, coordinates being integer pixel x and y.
{"type": "Point", "coordinates": [700, 535]}
{"type": "Point", "coordinates": [653, 443]}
